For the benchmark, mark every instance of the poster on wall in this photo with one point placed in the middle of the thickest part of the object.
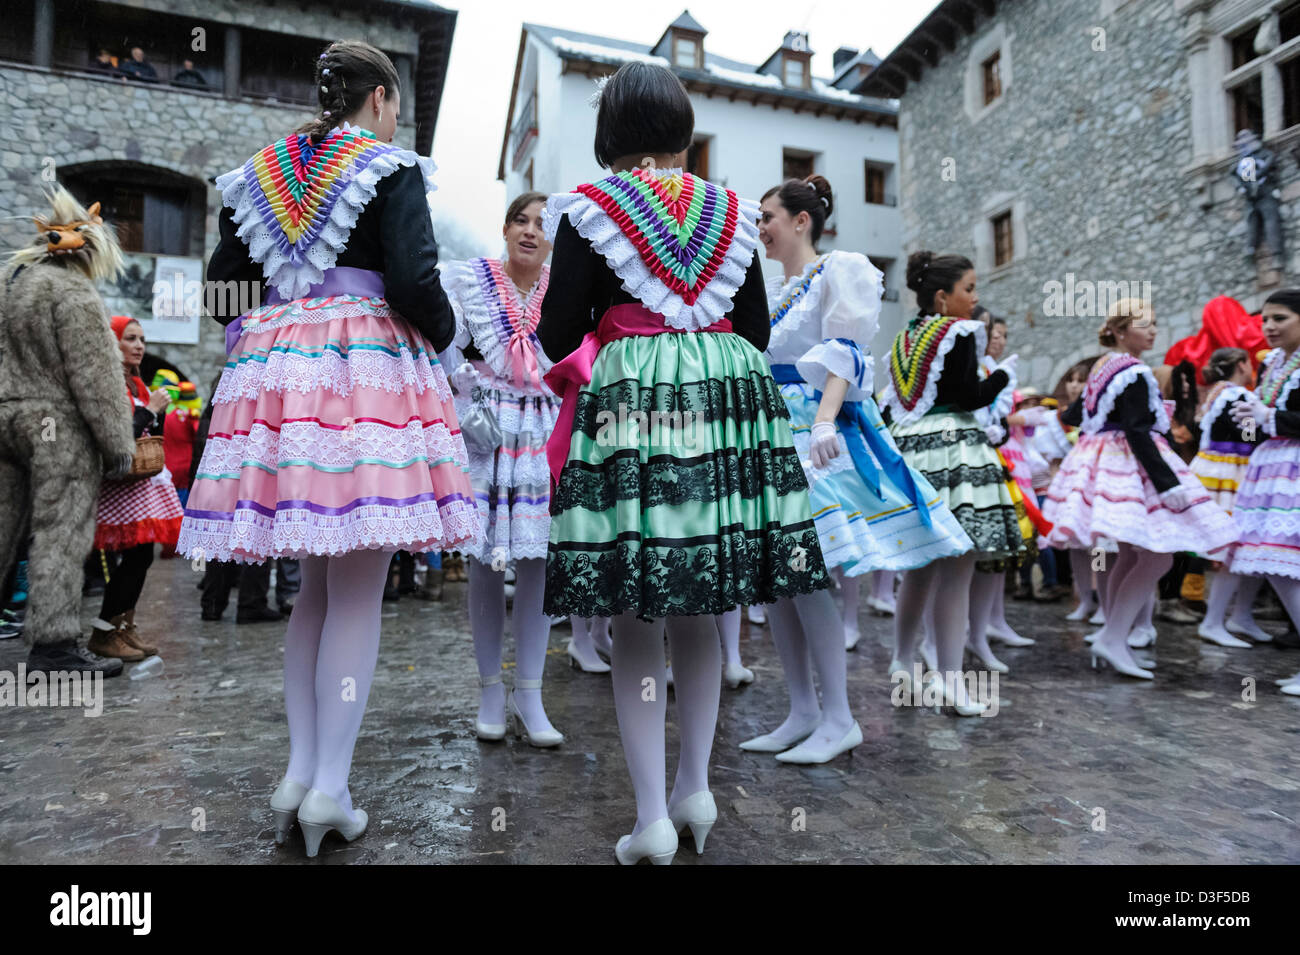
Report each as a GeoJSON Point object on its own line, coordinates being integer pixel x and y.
{"type": "Point", "coordinates": [176, 301]}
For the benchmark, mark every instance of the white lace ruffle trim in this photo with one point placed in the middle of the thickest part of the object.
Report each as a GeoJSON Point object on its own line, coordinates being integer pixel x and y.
{"type": "Point", "coordinates": [293, 279]}
{"type": "Point", "coordinates": [1092, 424]}
{"type": "Point", "coordinates": [809, 304]}
{"type": "Point", "coordinates": [1221, 401]}
{"type": "Point", "coordinates": [931, 389]}
{"type": "Point", "coordinates": [833, 357]}
{"type": "Point", "coordinates": [605, 236]}
{"type": "Point", "coordinates": [285, 371]}
{"type": "Point", "coordinates": [250, 537]}
{"type": "Point", "coordinates": [476, 322]}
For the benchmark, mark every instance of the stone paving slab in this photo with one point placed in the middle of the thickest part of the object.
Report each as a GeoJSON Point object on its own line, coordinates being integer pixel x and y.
{"type": "Point", "coordinates": [1183, 768]}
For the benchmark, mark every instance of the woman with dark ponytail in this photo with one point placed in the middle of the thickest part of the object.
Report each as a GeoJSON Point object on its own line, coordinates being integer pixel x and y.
{"type": "Point", "coordinates": [1220, 463]}
{"type": "Point", "coordinates": [1267, 507]}
{"type": "Point", "coordinates": [333, 438]}
{"type": "Point", "coordinates": [934, 388]}
{"type": "Point", "coordinates": [872, 511]}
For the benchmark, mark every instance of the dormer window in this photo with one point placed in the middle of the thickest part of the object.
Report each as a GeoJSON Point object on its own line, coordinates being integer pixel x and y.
{"type": "Point", "coordinates": [687, 51]}
{"type": "Point", "coordinates": [796, 73]}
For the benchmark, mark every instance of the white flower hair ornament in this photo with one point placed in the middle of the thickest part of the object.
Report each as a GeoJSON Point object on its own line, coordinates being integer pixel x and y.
{"type": "Point", "coordinates": [594, 100]}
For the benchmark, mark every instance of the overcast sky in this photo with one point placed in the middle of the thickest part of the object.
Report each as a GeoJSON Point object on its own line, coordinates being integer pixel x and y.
{"type": "Point", "coordinates": [477, 95]}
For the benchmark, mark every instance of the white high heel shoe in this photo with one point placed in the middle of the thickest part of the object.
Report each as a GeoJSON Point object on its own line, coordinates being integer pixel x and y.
{"type": "Point", "coordinates": [1219, 636]}
{"type": "Point", "coordinates": [490, 731]}
{"type": "Point", "coordinates": [771, 743]}
{"type": "Point", "coordinates": [656, 842]}
{"type": "Point", "coordinates": [1082, 612]}
{"type": "Point", "coordinates": [285, 801]}
{"type": "Point", "coordinates": [1010, 639]}
{"type": "Point", "coordinates": [1099, 652]}
{"type": "Point", "coordinates": [958, 700]}
{"type": "Point", "coordinates": [543, 739]}
{"type": "Point", "coordinates": [809, 753]}
{"type": "Point", "coordinates": [757, 615]}
{"type": "Point", "coordinates": [1251, 630]}
{"type": "Point", "coordinates": [876, 605]}
{"type": "Point", "coordinates": [586, 666]}
{"type": "Point", "coordinates": [319, 813]}
{"type": "Point", "coordinates": [1098, 617]}
{"type": "Point", "coordinates": [851, 640]}
{"type": "Point", "coordinates": [735, 675]}
{"type": "Point", "coordinates": [1143, 636]}
{"type": "Point", "coordinates": [990, 662]}
{"type": "Point", "coordinates": [699, 812]}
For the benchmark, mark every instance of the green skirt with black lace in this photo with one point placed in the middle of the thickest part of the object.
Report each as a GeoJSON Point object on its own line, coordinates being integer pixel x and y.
{"type": "Point", "coordinates": [682, 493]}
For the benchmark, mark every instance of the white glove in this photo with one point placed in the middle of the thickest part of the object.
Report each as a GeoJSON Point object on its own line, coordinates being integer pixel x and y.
{"type": "Point", "coordinates": [1177, 498]}
{"type": "Point", "coordinates": [1251, 408]}
{"type": "Point", "coordinates": [1008, 365]}
{"type": "Point", "coordinates": [995, 434]}
{"type": "Point", "coordinates": [824, 446]}
{"type": "Point", "coordinates": [1037, 417]}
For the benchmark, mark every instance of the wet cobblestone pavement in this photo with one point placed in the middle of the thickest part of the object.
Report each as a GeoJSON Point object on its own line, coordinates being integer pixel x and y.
{"type": "Point", "coordinates": [1184, 768]}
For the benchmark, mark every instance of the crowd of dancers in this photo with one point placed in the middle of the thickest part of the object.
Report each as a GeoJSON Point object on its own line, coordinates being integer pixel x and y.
{"type": "Point", "coordinates": [655, 439]}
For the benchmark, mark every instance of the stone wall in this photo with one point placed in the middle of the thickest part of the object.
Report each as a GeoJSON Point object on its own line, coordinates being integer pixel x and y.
{"type": "Point", "coordinates": [58, 120]}
{"type": "Point", "coordinates": [1090, 146]}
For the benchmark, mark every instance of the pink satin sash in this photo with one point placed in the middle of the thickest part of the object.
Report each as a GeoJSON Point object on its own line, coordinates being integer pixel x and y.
{"type": "Point", "coordinates": [567, 377]}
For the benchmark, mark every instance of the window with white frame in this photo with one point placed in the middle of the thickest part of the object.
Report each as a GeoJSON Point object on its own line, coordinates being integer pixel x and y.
{"type": "Point", "coordinates": [988, 72]}
{"type": "Point", "coordinates": [1262, 83]}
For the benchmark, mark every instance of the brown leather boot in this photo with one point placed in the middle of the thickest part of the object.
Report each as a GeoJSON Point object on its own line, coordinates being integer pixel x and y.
{"type": "Point", "coordinates": [130, 634]}
{"type": "Point", "coordinates": [110, 643]}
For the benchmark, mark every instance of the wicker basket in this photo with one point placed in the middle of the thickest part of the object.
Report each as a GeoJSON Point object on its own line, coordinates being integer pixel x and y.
{"type": "Point", "coordinates": [148, 459]}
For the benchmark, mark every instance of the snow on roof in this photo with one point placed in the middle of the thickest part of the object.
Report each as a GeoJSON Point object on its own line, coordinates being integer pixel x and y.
{"type": "Point", "coordinates": [749, 79]}
{"type": "Point", "coordinates": [606, 54]}
{"type": "Point", "coordinates": [822, 88]}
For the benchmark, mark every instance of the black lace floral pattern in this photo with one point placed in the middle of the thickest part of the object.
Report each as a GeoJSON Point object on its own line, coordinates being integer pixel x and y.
{"type": "Point", "coordinates": [755, 398]}
{"type": "Point", "coordinates": [653, 577]}
{"type": "Point", "coordinates": [667, 480]}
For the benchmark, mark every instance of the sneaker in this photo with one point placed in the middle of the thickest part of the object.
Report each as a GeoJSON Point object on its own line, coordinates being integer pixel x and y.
{"type": "Point", "coordinates": [112, 644]}
{"type": "Point", "coordinates": [52, 657]}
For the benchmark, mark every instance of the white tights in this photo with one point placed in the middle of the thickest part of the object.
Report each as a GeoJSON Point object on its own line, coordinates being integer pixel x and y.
{"type": "Point", "coordinates": [330, 648]}
{"type": "Point", "coordinates": [809, 634]}
{"type": "Point", "coordinates": [531, 629]}
{"type": "Point", "coordinates": [941, 588]}
{"type": "Point", "coordinates": [641, 706]}
{"type": "Point", "coordinates": [848, 603]}
{"type": "Point", "coordinates": [729, 629]}
{"type": "Point", "coordinates": [1130, 583]}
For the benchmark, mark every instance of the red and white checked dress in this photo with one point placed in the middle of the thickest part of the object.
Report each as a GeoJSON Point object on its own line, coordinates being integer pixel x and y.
{"type": "Point", "coordinates": [140, 510]}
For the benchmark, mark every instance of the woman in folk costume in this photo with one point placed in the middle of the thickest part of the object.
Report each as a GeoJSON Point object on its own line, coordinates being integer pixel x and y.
{"type": "Point", "coordinates": [1267, 508]}
{"type": "Point", "coordinates": [134, 514]}
{"type": "Point", "coordinates": [1220, 464]}
{"type": "Point", "coordinates": [506, 413]}
{"type": "Point", "coordinates": [988, 586]}
{"type": "Point", "coordinates": [679, 490]}
{"type": "Point", "coordinates": [1122, 483]}
{"type": "Point", "coordinates": [333, 438]}
{"type": "Point", "coordinates": [935, 386]}
{"type": "Point", "coordinates": [872, 511]}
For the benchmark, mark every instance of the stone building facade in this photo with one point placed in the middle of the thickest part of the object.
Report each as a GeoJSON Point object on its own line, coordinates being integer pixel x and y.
{"type": "Point", "coordinates": [1081, 150]}
{"type": "Point", "coordinates": [149, 151]}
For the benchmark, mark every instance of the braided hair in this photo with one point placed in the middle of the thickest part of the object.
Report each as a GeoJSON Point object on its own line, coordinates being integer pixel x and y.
{"type": "Point", "coordinates": [346, 73]}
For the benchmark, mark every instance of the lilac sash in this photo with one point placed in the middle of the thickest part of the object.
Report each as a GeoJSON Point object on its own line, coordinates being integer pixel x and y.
{"type": "Point", "coordinates": [340, 280]}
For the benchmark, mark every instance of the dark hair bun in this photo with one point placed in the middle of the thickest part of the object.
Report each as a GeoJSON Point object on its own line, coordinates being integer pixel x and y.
{"type": "Point", "coordinates": [917, 263]}
{"type": "Point", "coordinates": [1107, 337]}
{"type": "Point", "coordinates": [822, 189]}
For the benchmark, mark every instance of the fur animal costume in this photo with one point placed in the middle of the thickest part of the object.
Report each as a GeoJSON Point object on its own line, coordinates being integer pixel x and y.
{"type": "Point", "coordinates": [63, 422]}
